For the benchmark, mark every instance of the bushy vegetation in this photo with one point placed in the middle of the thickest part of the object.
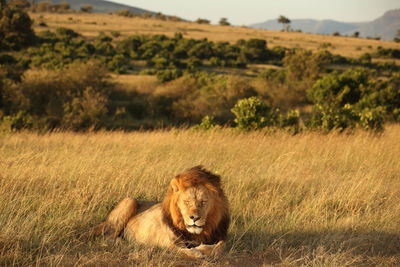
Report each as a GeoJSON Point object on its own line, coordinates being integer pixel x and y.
{"type": "Point", "coordinates": [59, 79]}
{"type": "Point", "coordinates": [76, 99]}
{"type": "Point", "coordinates": [15, 27]}
{"type": "Point", "coordinates": [355, 97]}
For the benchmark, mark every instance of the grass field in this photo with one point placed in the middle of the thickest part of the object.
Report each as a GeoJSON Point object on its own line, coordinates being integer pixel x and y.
{"type": "Point", "coordinates": [308, 199]}
{"type": "Point", "coordinates": [91, 24]}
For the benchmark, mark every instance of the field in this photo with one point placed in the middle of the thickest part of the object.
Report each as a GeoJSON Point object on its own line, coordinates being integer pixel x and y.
{"type": "Point", "coordinates": [91, 24]}
{"type": "Point", "coordinates": [309, 199]}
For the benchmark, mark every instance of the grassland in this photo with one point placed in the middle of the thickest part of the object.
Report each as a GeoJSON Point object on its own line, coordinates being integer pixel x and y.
{"type": "Point", "coordinates": [308, 199]}
{"type": "Point", "coordinates": [91, 24]}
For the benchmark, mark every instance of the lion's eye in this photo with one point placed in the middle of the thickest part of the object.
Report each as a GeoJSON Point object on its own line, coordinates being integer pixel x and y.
{"type": "Point", "coordinates": [186, 202]}
{"type": "Point", "coordinates": [203, 202]}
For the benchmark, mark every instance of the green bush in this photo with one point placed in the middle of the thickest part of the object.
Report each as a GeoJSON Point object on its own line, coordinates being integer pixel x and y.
{"type": "Point", "coordinates": [168, 75]}
{"type": "Point", "coordinates": [16, 122]}
{"type": "Point", "coordinates": [207, 123]}
{"type": "Point", "coordinates": [252, 114]}
{"type": "Point", "coordinates": [15, 28]}
{"type": "Point", "coordinates": [356, 97]}
{"type": "Point", "coordinates": [75, 98]}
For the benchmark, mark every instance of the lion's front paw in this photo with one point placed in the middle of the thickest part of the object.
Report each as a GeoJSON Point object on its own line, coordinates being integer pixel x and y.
{"type": "Point", "coordinates": [193, 253]}
{"type": "Point", "coordinates": [212, 250]}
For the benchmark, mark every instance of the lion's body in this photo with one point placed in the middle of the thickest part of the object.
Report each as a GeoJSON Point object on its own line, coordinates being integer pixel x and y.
{"type": "Point", "coordinates": [193, 217]}
{"type": "Point", "coordinates": [148, 228]}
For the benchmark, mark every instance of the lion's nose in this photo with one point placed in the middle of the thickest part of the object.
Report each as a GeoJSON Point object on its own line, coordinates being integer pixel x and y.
{"type": "Point", "coordinates": [194, 218]}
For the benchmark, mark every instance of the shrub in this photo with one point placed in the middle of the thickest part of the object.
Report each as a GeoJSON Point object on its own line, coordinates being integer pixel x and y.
{"type": "Point", "coordinates": [355, 97]}
{"type": "Point", "coordinates": [16, 122]}
{"type": "Point", "coordinates": [372, 118]}
{"type": "Point", "coordinates": [168, 75]}
{"type": "Point", "coordinates": [15, 28]}
{"type": "Point", "coordinates": [202, 21]}
{"type": "Point", "coordinates": [224, 22]}
{"type": "Point", "coordinates": [251, 114]}
{"type": "Point", "coordinates": [87, 8]}
{"type": "Point", "coordinates": [207, 123]}
{"type": "Point", "coordinates": [75, 98]}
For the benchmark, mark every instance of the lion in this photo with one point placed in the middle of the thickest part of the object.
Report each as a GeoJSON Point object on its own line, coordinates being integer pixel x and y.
{"type": "Point", "coordinates": [193, 218]}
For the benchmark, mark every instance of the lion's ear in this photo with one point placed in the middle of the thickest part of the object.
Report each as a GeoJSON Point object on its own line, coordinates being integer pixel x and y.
{"type": "Point", "coordinates": [175, 185]}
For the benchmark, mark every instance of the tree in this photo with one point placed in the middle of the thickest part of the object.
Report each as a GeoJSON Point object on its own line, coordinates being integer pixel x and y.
{"type": "Point", "coordinates": [15, 27]}
{"type": "Point", "coordinates": [87, 8]}
{"type": "Point", "coordinates": [284, 21]}
{"type": "Point", "coordinates": [397, 38]}
{"type": "Point", "coordinates": [356, 34]}
{"type": "Point", "coordinates": [202, 21]}
{"type": "Point", "coordinates": [224, 22]}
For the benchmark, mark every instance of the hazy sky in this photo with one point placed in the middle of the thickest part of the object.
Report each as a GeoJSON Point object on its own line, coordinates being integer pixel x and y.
{"type": "Point", "coordinates": [246, 12]}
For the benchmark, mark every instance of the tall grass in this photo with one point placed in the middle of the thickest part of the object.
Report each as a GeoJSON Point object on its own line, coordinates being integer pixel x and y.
{"type": "Point", "coordinates": [309, 199]}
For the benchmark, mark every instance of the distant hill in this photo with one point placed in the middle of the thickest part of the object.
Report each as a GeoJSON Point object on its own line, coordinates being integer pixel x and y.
{"type": "Point", "coordinates": [309, 25]}
{"type": "Point", "coordinates": [385, 27]}
{"type": "Point", "coordinates": [99, 6]}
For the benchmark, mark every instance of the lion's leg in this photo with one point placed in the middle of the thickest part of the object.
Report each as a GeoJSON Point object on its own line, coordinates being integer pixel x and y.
{"type": "Point", "coordinates": [212, 250]}
{"type": "Point", "coordinates": [192, 253]}
{"type": "Point", "coordinates": [118, 218]}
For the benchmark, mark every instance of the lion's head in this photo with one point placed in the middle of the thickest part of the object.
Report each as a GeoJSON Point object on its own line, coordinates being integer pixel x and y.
{"type": "Point", "coordinates": [196, 207]}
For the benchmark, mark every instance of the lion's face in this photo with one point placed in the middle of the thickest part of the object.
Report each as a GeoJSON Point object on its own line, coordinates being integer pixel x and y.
{"type": "Point", "coordinates": [195, 204]}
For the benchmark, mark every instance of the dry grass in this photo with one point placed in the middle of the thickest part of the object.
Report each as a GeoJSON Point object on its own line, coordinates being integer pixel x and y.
{"type": "Point", "coordinates": [144, 84]}
{"type": "Point", "coordinates": [310, 199]}
{"type": "Point", "coordinates": [91, 24]}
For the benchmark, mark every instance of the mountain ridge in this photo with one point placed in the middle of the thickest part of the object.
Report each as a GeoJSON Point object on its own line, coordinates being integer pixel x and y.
{"type": "Point", "coordinates": [100, 6]}
{"type": "Point", "coordinates": [384, 27]}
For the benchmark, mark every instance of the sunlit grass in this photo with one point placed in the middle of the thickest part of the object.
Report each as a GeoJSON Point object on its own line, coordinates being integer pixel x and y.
{"type": "Point", "coordinates": [309, 199]}
{"type": "Point", "coordinates": [91, 24]}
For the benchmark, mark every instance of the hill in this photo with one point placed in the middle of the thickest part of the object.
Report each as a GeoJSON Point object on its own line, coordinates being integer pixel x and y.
{"type": "Point", "coordinates": [384, 27]}
{"type": "Point", "coordinates": [309, 26]}
{"type": "Point", "coordinates": [100, 6]}
{"type": "Point", "coordinates": [90, 25]}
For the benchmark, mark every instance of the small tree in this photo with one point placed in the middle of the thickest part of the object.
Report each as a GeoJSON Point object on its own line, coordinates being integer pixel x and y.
{"type": "Point", "coordinates": [285, 22]}
{"type": "Point", "coordinates": [87, 8]}
{"type": "Point", "coordinates": [252, 114]}
{"type": "Point", "coordinates": [397, 38]}
{"type": "Point", "coordinates": [224, 22]}
{"type": "Point", "coordinates": [202, 21]}
{"type": "Point", "coordinates": [15, 27]}
{"type": "Point", "coordinates": [356, 34]}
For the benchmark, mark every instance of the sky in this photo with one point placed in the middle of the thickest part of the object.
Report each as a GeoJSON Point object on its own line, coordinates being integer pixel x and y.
{"type": "Point", "coordinates": [254, 11]}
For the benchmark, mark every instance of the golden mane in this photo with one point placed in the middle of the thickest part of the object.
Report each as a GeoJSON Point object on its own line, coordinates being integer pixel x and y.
{"type": "Point", "coordinates": [217, 223]}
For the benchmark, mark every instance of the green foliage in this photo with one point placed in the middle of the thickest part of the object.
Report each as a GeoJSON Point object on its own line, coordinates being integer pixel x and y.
{"type": "Point", "coordinates": [254, 50]}
{"type": "Point", "coordinates": [284, 21]}
{"type": "Point", "coordinates": [355, 97]}
{"type": "Point", "coordinates": [207, 123]}
{"type": "Point", "coordinates": [10, 72]}
{"type": "Point", "coordinates": [168, 75]}
{"type": "Point", "coordinates": [202, 21]}
{"type": "Point", "coordinates": [224, 22]}
{"type": "Point", "coordinates": [15, 28]}
{"type": "Point", "coordinates": [289, 119]}
{"type": "Point", "coordinates": [87, 8]}
{"type": "Point", "coordinates": [75, 98]}
{"type": "Point", "coordinates": [387, 53]}
{"type": "Point", "coordinates": [16, 122]}
{"type": "Point", "coordinates": [252, 114]}
{"type": "Point", "coordinates": [302, 69]}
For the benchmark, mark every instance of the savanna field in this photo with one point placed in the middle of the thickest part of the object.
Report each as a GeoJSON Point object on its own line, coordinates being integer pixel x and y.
{"type": "Point", "coordinates": [303, 129]}
{"type": "Point", "coordinates": [309, 199]}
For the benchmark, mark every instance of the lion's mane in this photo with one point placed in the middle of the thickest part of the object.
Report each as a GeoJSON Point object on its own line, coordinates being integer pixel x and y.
{"type": "Point", "coordinates": [217, 222]}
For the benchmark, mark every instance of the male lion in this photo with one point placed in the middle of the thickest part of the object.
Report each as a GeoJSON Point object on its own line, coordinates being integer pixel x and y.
{"type": "Point", "coordinates": [193, 217]}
